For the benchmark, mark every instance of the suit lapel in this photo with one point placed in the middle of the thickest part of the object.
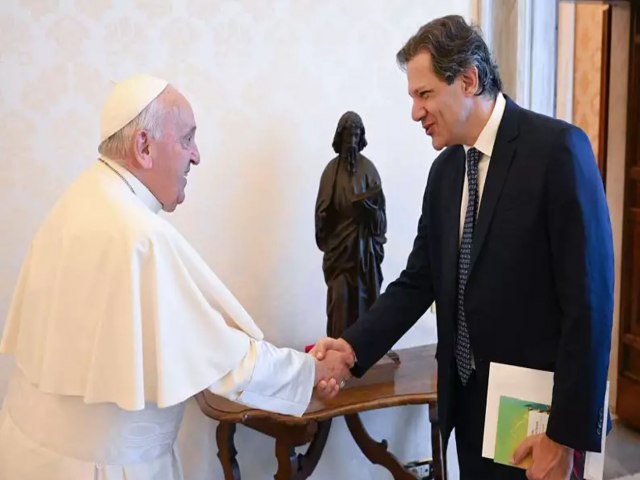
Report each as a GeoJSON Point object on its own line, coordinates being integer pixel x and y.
{"type": "Point", "coordinates": [501, 157]}
{"type": "Point", "coordinates": [451, 220]}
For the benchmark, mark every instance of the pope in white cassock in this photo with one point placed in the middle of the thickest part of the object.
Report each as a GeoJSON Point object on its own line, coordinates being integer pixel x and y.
{"type": "Point", "coordinates": [116, 321]}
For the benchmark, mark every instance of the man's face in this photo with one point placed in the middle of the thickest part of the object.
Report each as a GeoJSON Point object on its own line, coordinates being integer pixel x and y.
{"type": "Point", "coordinates": [442, 109]}
{"type": "Point", "coordinates": [174, 152]}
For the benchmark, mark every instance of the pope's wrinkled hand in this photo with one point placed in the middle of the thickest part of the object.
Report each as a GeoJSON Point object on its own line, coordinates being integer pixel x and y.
{"type": "Point", "coordinates": [324, 349]}
{"type": "Point", "coordinates": [331, 373]}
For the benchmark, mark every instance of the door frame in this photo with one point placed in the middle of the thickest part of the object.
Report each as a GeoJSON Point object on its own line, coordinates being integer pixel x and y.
{"type": "Point", "coordinates": [629, 389]}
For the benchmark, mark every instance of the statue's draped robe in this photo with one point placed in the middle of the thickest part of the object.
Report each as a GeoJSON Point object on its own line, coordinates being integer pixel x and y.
{"type": "Point", "coordinates": [350, 224]}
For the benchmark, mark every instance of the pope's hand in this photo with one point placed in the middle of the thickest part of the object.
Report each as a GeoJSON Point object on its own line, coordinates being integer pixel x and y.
{"type": "Point", "coordinates": [325, 348]}
{"type": "Point", "coordinates": [331, 373]}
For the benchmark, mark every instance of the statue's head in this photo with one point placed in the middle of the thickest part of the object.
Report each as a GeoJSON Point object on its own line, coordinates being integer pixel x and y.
{"type": "Point", "coordinates": [349, 134]}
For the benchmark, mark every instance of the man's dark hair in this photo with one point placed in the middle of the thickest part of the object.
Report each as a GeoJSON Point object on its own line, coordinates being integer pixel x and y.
{"type": "Point", "coordinates": [454, 46]}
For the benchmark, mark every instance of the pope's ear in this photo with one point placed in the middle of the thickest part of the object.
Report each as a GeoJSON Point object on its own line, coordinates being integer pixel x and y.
{"type": "Point", "coordinates": [141, 149]}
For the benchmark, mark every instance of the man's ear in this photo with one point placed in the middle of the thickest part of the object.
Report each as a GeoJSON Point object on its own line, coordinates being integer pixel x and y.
{"type": "Point", "coordinates": [469, 78]}
{"type": "Point", "coordinates": [141, 150]}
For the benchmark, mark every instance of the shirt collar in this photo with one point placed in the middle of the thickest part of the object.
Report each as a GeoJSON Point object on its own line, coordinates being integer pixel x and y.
{"type": "Point", "coordinates": [487, 138]}
{"type": "Point", "coordinates": [139, 188]}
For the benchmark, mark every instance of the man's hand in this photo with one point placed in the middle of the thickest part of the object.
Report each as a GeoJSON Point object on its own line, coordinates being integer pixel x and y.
{"type": "Point", "coordinates": [331, 372]}
{"type": "Point", "coordinates": [551, 461]}
{"type": "Point", "coordinates": [320, 349]}
{"type": "Point", "coordinates": [324, 349]}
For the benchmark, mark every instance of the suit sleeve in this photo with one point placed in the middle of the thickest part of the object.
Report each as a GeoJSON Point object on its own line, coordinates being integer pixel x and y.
{"type": "Point", "coordinates": [399, 307]}
{"type": "Point", "coordinates": [582, 249]}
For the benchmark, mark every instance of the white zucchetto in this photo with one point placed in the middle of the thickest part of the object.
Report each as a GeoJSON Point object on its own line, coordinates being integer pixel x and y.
{"type": "Point", "coordinates": [127, 100]}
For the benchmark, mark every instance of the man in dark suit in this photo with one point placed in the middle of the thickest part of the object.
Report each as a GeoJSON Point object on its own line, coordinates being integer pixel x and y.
{"type": "Point", "coordinates": [514, 245]}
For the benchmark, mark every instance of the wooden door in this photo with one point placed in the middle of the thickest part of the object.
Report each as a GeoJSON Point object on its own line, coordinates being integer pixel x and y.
{"type": "Point", "coordinates": [628, 404]}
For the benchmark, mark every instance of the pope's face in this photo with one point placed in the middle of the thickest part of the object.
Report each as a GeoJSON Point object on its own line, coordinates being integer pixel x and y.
{"type": "Point", "coordinates": [174, 152]}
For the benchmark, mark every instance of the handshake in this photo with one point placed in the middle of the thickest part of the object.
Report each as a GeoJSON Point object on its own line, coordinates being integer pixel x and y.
{"type": "Point", "coordinates": [334, 358]}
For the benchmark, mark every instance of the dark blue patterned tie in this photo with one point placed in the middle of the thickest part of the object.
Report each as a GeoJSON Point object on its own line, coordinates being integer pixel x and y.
{"type": "Point", "coordinates": [463, 343]}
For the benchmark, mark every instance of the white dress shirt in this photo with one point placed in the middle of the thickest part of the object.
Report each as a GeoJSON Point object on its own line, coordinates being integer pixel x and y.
{"type": "Point", "coordinates": [484, 144]}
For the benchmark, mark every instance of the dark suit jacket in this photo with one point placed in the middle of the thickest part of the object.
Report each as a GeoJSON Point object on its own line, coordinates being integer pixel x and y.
{"type": "Point", "coordinates": [540, 289]}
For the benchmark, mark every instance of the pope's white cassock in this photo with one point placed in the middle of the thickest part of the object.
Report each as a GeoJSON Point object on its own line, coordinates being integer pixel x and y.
{"type": "Point", "coordinates": [116, 321]}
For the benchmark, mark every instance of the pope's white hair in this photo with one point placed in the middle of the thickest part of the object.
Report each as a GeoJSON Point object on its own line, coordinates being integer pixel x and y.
{"type": "Point", "coordinates": [119, 145]}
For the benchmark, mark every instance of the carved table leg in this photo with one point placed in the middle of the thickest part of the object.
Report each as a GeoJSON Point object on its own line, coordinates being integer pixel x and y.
{"type": "Point", "coordinates": [307, 462]}
{"type": "Point", "coordinates": [292, 466]}
{"type": "Point", "coordinates": [376, 452]}
{"type": "Point", "coordinates": [439, 457]}
{"type": "Point", "coordinates": [227, 451]}
{"type": "Point", "coordinates": [287, 458]}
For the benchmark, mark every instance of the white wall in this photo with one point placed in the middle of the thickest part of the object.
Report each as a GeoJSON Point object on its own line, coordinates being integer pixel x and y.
{"type": "Point", "coordinates": [268, 82]}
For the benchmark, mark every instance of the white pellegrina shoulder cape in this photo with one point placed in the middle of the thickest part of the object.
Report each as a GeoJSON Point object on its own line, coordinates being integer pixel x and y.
{"type": "Point", "coordinates": [114, 305]}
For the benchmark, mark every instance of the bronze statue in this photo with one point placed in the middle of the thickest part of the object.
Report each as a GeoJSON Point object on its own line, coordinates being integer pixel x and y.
{"type": "Point", "coordinates": [351, 224]}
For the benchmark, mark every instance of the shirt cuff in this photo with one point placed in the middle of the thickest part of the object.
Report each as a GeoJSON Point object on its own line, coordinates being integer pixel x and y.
{"type": "Point", "coordinates": [280, 380]}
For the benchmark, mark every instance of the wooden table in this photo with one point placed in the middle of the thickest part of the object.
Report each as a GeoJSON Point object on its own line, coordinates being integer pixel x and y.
{"type": "Point", "coordinates": [384, 385]}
